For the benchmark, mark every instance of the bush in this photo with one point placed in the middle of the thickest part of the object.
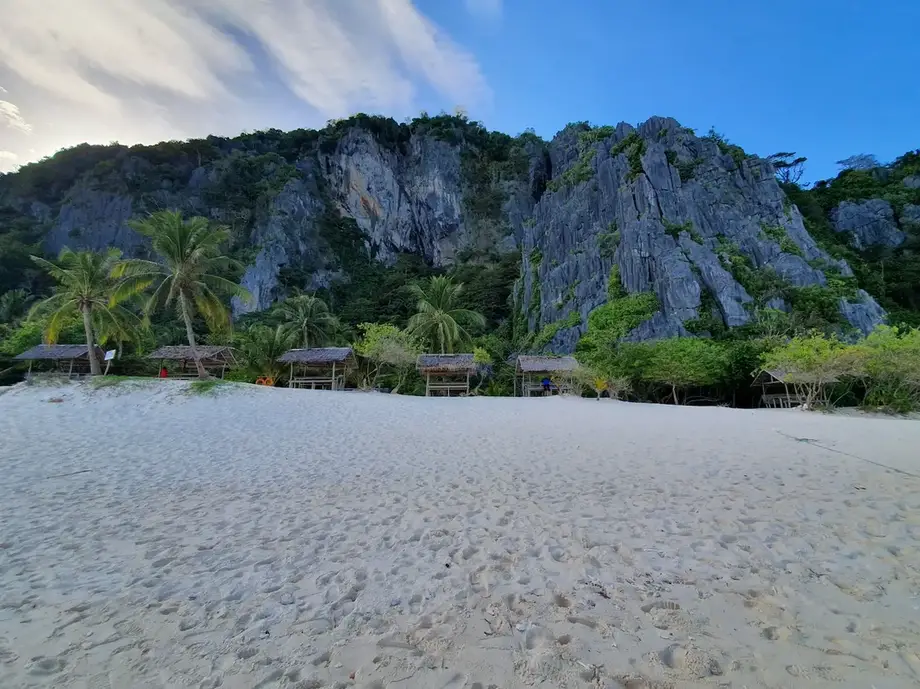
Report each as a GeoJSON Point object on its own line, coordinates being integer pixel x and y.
{"type": "Point", "coordinates": [892, 368]}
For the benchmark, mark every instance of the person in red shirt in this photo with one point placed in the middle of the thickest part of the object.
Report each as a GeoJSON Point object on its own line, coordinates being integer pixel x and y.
{"type": "Point", "coordinates": [163, 372]}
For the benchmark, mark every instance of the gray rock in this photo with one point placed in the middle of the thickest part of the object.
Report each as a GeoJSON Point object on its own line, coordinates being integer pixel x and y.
{"type": "Point", "coordinates": [912, 182]}
{"type": "Point", "coordinates": [94, 220]}
{"type": "Point", "coordinates": [910, 217]}
{"type": "Point", "coordinates": [864, 314]}
{"type": "Point", "coordinates": [722, 208]}
{"type": "Point", "coordinates": [869, 223]}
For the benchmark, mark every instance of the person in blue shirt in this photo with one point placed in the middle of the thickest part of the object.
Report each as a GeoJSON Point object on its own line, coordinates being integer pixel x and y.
{"type": "Point", "coordinates": [547, 385]}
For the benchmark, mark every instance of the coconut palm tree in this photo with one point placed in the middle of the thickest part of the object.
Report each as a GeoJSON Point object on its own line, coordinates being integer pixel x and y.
{"type": "Point", "coordinates": [260, 347]}
{"type": "Point", "coordinates": [85, 288]}
{"type": "Point", "coordinates": [188, 275]}
{"type": "Point", "coordinates": [440, 319]}
{"type": "Point", "coordinates": [308, 321]}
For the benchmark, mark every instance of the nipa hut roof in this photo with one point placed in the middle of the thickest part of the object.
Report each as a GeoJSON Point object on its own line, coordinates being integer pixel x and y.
{"type": "Point", "coordinates": [546, 364]}
{"type": "Point", "coordinates": [57, 352]}
{"type": "Point", "coordinates": [318, 356]}
{"type": "Point", "coordinates": [187, 353]}
{"type": "Point", "coordinates": [781, 376]}
{"type": "Point", "coordinates": [446, 362]}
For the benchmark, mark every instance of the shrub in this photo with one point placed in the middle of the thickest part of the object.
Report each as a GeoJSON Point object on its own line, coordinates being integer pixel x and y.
{"type": "Point", "coordinates": [892, 366]}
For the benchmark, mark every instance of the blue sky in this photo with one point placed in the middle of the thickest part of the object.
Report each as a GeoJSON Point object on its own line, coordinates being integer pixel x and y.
{"type": "Point", "coordinates": [825, 79]}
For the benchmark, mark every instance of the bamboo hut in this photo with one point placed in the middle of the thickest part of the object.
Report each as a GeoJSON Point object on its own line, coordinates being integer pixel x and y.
{"type": "Point", "coordinates": [215, 359]}
{"type": "Point", "coordinates": [781, 389]}
{"type": "Point", "coordinates": [446, 373]}
{"type": "Point", "coordinates": [67, 359]}
{"type": "Point", "coordinates": [322, 368]}
{"type": "Point", "coordinates": [532, 370]}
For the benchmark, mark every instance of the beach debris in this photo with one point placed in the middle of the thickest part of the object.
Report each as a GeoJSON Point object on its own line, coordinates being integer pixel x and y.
{"type": "Point", "coordinates": [598, 587]}
{"type": "Point", "coordinates": [55, 400]}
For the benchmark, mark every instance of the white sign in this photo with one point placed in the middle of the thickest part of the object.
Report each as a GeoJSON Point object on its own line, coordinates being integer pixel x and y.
{"type": "Point", "coordinates": [109, 355]}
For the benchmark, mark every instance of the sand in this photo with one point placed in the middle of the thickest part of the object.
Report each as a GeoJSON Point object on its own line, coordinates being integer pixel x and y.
{"type": "Point", "coordinates": [276, 538]}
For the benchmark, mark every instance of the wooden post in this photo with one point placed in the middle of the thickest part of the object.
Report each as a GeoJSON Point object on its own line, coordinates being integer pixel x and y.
{"type": "Point", "coordinates": [291, 377]}
{"type": "Point", "coordinates": [467, 382]}
{"type": "Point", "coordinates": [70, 371]}
{"type": "Point", "coordinates": [333, 376]}
{"type": "Point", "coordinates": [427, 384]}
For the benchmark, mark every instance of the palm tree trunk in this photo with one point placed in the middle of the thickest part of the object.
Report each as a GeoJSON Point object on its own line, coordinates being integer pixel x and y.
{"type": "Point", "coordinates": [674, 393]}
{"type": "Point", "coordinates": [94, 367]}
{"type": "Point", "coordinates": [190, 333]}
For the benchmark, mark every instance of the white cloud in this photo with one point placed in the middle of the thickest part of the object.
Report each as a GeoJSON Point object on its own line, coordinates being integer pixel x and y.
{"type": "Point", "coordinates": [142, 70]}
{"type": "Point", "coordinates": [485, 9]}
{"type": "Point", "coordinates": [10, 114]}
{"type": "Point", "coordinates": [8, 161]}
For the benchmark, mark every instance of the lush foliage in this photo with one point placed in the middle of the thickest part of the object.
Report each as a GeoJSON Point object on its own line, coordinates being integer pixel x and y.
{"type": "Point", "coordinates": [441, 321]}
{"type": "Point", "coordinates": [307, 321]}
{"type": "Point", "coordinates": [259, 347]}
{"type": "Point", "coordinates": [189, 275]}
{"type": "Point", "coordinates": [86, 289]}
{"type": "Point", "coordinates": [387, 350]}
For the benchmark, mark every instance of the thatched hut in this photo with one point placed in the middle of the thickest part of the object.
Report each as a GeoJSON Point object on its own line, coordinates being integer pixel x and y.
{"type": "Point", "coordinates": [69, 359]}
{"type": "Point", "coordinates": [533, 370]}
{"type": "Point", "coordinates": [215, 359]}
{"type": "Point", "coordinates": [322, 368]}
{"type": "Point", "coordinates": [446, 373]}
{"type": "Point", "coordinates": [783, 389]}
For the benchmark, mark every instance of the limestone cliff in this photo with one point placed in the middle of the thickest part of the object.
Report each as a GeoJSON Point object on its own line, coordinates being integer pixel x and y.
{"type": "Point", "coordinates": [691, 219]}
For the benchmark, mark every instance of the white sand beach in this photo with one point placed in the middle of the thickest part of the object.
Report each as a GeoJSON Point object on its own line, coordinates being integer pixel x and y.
{"type": "Point", "coordinates": [275, 538]}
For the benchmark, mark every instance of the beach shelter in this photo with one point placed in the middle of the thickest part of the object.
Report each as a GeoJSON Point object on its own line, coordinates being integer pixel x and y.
{"type": "Point", "coordinates": [779, 389]}
{"type": "Point", "coordinates": [321, 368]}
{"type": "Point", "coordinates": [446, 373]}
{"type": "Point", "coordinates": [69, 359]}
{"type": "Point", "coordinates": [216, 359]}
{"type": "Point", "coordinates": [533, 369]}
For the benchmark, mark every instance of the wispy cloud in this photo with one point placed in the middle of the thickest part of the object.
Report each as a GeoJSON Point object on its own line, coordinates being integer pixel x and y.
{"type": "Point", "coordinates": [137, 69]}
{"type": "Point", "coordinates": [10, 114]}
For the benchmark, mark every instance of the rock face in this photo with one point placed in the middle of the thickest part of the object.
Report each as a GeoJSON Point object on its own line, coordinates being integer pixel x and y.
{"type": "Point", "coordinates": [869, 223]}
{"type": "Point", "coordinates": [671, 212]}
{"type": "Point", "coordinates": [690, 218]}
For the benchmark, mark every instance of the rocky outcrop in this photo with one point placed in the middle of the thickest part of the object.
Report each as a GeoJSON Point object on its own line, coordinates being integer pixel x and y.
{"type": "Point", "coordinates": [910, 217]}
{"type": "Point", "coordinates": [94, 220]}
{"type": "Point", "coordinates": [870, 223]}
{"type": "Point", "coordinates": [672, 213]}
{"type": "Point", "coordinates": [691, 219]}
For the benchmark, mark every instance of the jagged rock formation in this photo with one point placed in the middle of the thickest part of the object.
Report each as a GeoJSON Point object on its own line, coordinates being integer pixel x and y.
{"type": "Point", "coordinates": [672, 212]}
{"type": "Point", "coordinates": [870, 223]}
{"type": "Point", "coordinates": [691, 219]}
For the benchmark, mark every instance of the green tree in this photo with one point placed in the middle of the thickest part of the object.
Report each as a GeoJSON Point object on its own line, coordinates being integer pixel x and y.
{"type": "Point", "coordinates": [307, 320]}
{"type": "Point", "coordinates": [85, 288]}
{"type": "Point", "coordinates": [682, 362]}
{"type": "Point", "coordinates": [189, 274]}
{"type": "Point", "coordinates": [812, 362]}
{"type": "Point", "coordinates": [892, 367]}
{"type": "Point", "coordinates": [260, 347]}
{"type": "Point", "coordinates": [386, 347]}
{"type": "Point", "coordinates": [13, 305]}
{"type": "Point", "coordinates": [440, 321]}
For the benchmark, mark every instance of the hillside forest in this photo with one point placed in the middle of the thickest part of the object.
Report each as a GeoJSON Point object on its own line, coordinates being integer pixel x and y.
{"type": "Point", "coordinates": [189, 271]}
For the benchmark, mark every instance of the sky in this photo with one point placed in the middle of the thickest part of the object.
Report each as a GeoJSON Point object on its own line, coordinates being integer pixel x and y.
{"type": "Point", "coordinates": [826, 78]}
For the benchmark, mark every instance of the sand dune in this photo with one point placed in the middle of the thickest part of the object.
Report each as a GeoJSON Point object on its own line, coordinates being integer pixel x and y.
{"type": "Point", "coordinates": [276, 538]}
